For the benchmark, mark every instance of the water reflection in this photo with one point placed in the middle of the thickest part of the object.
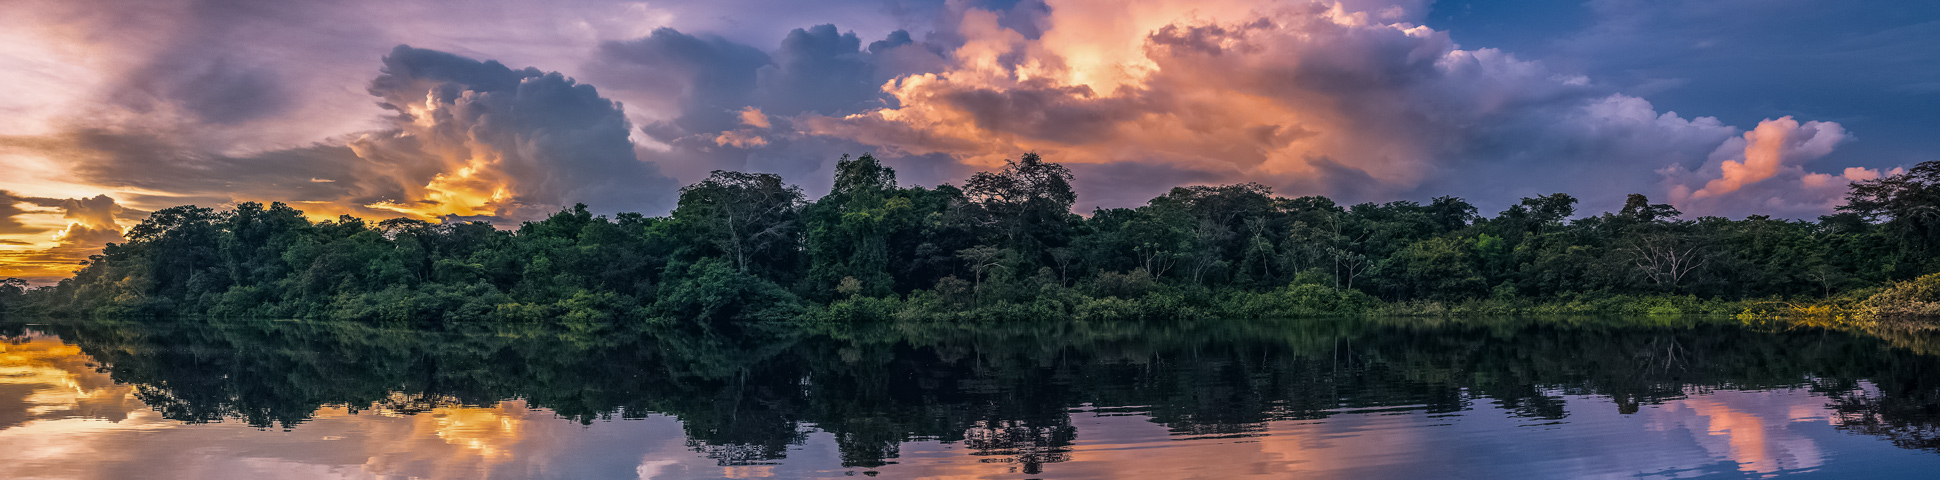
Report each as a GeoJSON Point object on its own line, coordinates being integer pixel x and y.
{"type": "Point", "coordinates": [1585, 398]}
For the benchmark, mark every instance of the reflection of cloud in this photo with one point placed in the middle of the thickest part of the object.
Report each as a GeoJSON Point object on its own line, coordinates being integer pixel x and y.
{"type": "Point", "coordinates": [1754, 432]}
{"type": "Point", "coordinates": [1758, 444]}
{"type": "Point", "coordinates": [61, 418]}
{"type": "Point", "coordinates": [54, 380]}
{"type": "Point", "coordinates": [489, 431]}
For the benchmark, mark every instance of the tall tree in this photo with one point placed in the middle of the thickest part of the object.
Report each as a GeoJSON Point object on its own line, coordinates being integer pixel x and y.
{"type": "Point", "coordinates": [1908, 204]}
{"type": "Point", "coordinates": [750, 219]}
{"type": "Point", "coordinates": [848, 230]}
{"type": "Point", "coordinates": [1026, 205]}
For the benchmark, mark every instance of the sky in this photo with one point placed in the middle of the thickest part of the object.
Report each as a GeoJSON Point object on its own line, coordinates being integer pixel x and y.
{"type": "Point", "coordinates": [508, 110]}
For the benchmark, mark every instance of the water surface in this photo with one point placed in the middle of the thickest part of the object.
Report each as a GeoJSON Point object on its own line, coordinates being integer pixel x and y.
{"type": "Point", "coordinates": [1534, 398]}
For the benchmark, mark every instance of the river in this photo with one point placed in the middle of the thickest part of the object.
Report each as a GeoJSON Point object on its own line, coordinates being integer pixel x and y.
{"type": "Point", "coordinates": [1405, 398]}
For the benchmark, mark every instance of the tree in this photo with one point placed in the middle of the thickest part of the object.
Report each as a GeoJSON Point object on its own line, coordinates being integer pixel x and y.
{"type": "Point", "coordinates": [983, 259]}
{"type": "Point", "coordinates": [1064, 257]}
{"type": "Point", "coordinates": [1907, 203]}
{"type": "Point", "coordinates": [750, 218]}
{"type": "Point", "coordinates": [849, 229]}
{"type": "Point", "coordinates": [713, 293]}
{"type": "Point", "coordinates": [1209, 220]}
{"type": "Point", "coordinates": [12, 291]}
{"type": "Point", "coordinates": [1026, 204]}
{"type": "Point", "coordinates": [1666, 259]}
{"type": "Point", "coordinates": [1638, 207]}
{"type": "Point", "coordinates": [1348, 265]}
{"type": "Point", "coordinates": [181, 249]}
{"type": "Point", "coordinates": [1451, 213]}
{"type": "Point", "coordinates": [1439, 267]}
{"type": "Point", "coordinates": [862, 176]}
{"type": "Point", "coordinates": [1537, 214]}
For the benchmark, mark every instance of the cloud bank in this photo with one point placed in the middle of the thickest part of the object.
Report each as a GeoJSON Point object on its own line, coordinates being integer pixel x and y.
{"type": "Point", "coordinates": [1318, 98]}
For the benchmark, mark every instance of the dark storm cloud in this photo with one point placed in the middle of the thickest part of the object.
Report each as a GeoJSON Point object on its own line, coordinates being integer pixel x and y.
{"type": "Point", "coordinates": [814, 69]}
{"type": "Point", "coordinates": [706, 78]}
{"type": "Point", "coordinates": [734, 105]}
{"type": "Point", "coordinates": [820, 70]}
{"type": "Point", "coordinates": [225, 94]}
{"type": "Point", "coordinates": [544, 139]}
{"type": "Point", "coordinates": [467, 137]}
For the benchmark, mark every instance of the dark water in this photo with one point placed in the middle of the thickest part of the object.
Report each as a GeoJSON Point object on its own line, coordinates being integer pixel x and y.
{"type": "Point", "coordinates": [1337, 398]}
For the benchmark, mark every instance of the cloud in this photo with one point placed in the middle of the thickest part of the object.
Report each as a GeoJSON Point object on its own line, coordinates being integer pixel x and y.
{"type": "Point", "coordinates": [1768, 148]}
{"type": "Point", "coordinates": [99, 213]}
{"type": "Point", "coordinates": [1312, 99]}
{"type": "Point", "coordinates": [753, 117]}
{"type": "Point", "coordinates": [95, 216]}
{"type": "Point", "coordinates": [169, 171]}
{"type": "Point", "coordinates": [91, 223]}
{"type": "Point", "coordinates": [470, 138]}
{"type": "Point", "coordinates": [733, 106]}
{"type": "Point", "coordinates": [817, 70]}
{"type": "Point", "coordinates": [199, 101]}
{"type": "Point", "coordinates": [1763, 172]}
{"type": "Point", "coordinates": [704, 78]}
{"type": "Point", "coordinates": [10, 212]}
{"type": "Point", "coordinates": [503, 143]}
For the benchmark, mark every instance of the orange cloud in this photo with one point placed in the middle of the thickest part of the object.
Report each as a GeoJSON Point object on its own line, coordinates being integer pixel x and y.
{"type": "Point", "coordinates": [1763, 171]}
{"type": "Point", "coordinates": [29, 253]}
{"type": "Point", "coordinates": [1315, 98]}
{"type": "Point", "coordinates": [1769, 147]}
{"type": "Point", "coordinates": [753, 117]}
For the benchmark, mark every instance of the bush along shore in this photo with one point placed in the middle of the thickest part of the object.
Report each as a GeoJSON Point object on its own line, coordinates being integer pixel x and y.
{"type": "Point", "coordinates": [746, 250]}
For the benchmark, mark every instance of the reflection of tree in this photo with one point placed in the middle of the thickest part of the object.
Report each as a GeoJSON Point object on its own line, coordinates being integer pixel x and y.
{"type": "Point", "coordinates": [1021, 442]}
{"type": "Point", "coordinates": [1005, 391]}
{"type": "Point", "coordinates": [1911, 422]}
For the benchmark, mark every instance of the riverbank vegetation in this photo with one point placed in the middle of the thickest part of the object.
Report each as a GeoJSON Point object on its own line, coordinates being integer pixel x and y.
{"type": "Point", "coordinates": [746, 250]}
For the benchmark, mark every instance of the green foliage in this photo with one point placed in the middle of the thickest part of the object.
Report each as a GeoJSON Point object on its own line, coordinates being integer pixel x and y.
{"type": "Point", "coordinates": [1440, 267]}
{"type": "Point", "coordinates": [1300, 300]}
{"type": "Point", "coordinates": [1919, 297]}
{"type": "Point", "coordinates": [13, 294]}
{"type": "Point", "coordinates": [713, 293]}
{"type": "Point", "coordinates": [748, 249]}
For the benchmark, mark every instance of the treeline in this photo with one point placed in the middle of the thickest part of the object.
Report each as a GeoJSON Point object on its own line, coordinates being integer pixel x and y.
{"type": "Point", "coordinates": [745, 249]}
